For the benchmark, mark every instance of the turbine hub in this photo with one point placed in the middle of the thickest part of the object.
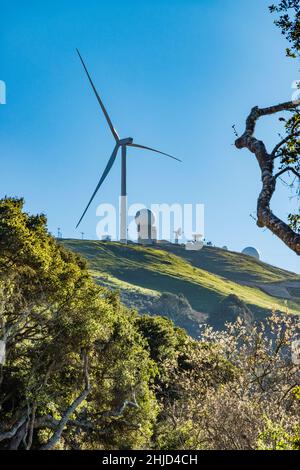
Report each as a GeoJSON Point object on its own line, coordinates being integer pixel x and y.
{"type": "Point", "coordinates": [127, 140]}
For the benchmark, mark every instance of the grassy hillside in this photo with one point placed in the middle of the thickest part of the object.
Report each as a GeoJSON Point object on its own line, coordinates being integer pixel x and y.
{"type": "Point", "coordinates": [205, 278]}
{"type": "Point", "coordinates": [233, 266]}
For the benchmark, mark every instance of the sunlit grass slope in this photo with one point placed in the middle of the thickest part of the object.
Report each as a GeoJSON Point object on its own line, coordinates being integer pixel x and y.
{"type": "Point", "coordinates": [204, 278]}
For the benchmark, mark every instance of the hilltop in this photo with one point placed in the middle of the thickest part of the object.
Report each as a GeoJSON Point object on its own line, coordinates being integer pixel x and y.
{"type": "Point", "coordinates": [200, 282]}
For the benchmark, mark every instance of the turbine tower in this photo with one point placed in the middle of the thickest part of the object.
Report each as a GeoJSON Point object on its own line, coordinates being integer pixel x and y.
{"type": "Point", "coordinates": [123, 144]}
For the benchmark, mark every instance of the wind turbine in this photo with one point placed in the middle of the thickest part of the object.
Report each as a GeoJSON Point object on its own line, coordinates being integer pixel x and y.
{"type": "Point", "coordinates": [123, 144]}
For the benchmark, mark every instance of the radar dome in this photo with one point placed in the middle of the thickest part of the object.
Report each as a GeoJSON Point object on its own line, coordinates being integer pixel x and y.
{"type": "Point", "coordinates": [251, 251]}
{"type": "Point", "coordinates": [144, 217]}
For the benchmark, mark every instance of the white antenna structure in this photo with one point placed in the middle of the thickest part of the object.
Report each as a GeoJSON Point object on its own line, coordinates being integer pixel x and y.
{"type": "Point", "coordinates": [177, 233]}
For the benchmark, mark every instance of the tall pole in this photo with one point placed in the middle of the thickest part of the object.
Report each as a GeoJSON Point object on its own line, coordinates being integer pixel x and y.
{"type": "Point", "coordinates": [123, 201]}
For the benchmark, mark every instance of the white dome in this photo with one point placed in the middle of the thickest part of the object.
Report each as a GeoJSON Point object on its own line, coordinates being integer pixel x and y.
{"type": "Point", "coordinates": [144, 217]}
{"type": "Point", "coordinates": [251, 251]}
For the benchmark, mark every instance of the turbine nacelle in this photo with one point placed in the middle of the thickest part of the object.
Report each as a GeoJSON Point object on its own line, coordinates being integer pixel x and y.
{"type": "Point", "coordinates": [126, 141]}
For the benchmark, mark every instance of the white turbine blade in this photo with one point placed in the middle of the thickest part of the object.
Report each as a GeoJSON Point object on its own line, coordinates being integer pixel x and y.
{"type": "Point", "coordinates": [110, 163]}
{"type": "Point", "coordinates": [113, 130]}
{"type": "Point", "coordinates": [153, 150]}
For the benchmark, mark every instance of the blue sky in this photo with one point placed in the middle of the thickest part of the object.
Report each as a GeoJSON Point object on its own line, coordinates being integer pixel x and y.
{"type": "Point", "coordinates": [174, 74]}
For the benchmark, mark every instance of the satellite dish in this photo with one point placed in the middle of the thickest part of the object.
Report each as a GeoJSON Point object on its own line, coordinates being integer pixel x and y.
{"type": "Point", "coordinates": [251, 251]}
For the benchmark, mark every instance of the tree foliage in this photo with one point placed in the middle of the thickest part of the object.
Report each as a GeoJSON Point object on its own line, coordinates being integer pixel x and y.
{"type": "Point", "coordinates": [238, 390]}
{"type": "Point", "coordinates": [84, 372]}
{"type": "Point", "coordinates": [72, 350]}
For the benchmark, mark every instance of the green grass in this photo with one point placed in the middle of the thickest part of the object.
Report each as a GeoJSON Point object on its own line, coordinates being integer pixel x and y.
{"type": "Point", "coordinates": [233, 266]}
{"type": "Point", "coordinates": [205, 277]}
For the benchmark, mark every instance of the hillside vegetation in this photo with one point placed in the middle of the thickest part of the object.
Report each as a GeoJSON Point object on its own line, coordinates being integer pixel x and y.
{"type": "Point", "coordinates": [205, 278]}
{"type": "Point", "coordinates": [79, 370]}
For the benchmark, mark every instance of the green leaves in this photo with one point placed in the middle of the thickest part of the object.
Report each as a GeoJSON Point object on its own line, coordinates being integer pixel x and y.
{"type": "Point", "coordinates": [289, 23]}
{"type": "Point", "coordinates": [52, 311]}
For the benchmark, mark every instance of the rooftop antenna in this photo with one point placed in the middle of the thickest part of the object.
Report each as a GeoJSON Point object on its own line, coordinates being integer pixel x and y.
{"type": "Point", "coordinates": [119, 144]}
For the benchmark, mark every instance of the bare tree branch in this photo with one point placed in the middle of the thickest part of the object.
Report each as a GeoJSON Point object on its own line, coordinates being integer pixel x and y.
{"type": "Point", "coordinates": [11, 433]}
{"type": "Point", "coordinates": [288, 168]}
{"type": "Point", "coordinates": [284, 141]}
{"type": "Point", "coordinates": [64, 420]}
{"type": "Point", "coordinates": [121, 409]}
{"type": "Point", "coordinates": [49, 422]}
{"type": "Point", "coordinates": [265, 217]}
{"type": "Point", "coordinates": [31, 427]}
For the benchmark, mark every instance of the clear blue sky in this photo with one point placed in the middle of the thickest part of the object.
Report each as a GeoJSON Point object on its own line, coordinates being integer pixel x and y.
{"type": "Point", "coordinates": [175, 74]}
